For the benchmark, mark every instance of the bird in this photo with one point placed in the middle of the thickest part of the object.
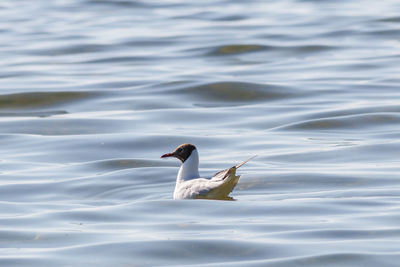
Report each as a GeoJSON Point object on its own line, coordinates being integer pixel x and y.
{"type": "Point", "coordinates": [190, 185]}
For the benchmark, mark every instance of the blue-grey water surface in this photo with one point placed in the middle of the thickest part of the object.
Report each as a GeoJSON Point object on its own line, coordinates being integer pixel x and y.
{"type": "Point", "coordinates": [92, 92]}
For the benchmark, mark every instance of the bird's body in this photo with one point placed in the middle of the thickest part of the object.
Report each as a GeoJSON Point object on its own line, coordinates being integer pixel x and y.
{"type": "Point", "coordinates": [189, 184]}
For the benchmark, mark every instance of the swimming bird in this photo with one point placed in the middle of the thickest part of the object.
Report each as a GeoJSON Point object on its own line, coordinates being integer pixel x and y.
{"type": "Point", "coordinates": [190, 185]}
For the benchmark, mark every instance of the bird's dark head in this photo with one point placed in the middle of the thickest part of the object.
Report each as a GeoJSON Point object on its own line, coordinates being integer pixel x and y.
{"type": "Point", "coordinates": [182, 152]}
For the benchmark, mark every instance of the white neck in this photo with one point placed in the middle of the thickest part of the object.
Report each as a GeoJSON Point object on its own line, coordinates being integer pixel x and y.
{"type": "Point", "coordinates": [190, 168]}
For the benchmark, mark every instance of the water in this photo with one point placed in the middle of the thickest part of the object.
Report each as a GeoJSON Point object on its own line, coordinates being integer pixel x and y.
{"type": "Point", "coordinates": [93, 92]}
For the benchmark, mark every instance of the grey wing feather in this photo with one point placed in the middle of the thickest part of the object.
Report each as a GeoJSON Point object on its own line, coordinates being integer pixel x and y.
{"type": "Point", "coordinates": [221, 175]}
{"type": "Point", "coordinates": [244, 162]}
{"type": "Point", "coordinates": [218, 187]}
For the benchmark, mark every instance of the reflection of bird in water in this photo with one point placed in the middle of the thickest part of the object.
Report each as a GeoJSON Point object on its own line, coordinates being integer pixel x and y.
{"type": "Point", "coordinates": [190, 185]}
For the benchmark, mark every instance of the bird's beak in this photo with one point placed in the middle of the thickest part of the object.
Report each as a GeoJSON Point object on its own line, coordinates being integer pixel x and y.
{"type": "Point", "coordinates": [168, 155]}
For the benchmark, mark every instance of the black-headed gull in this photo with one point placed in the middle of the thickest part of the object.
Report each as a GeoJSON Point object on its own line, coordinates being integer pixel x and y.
{"type": "Point", "coordinates": [190, 185]}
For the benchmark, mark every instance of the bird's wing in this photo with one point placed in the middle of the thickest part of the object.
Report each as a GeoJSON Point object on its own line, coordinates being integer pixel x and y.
{"type": "Point", "coordinates": [218, 187]}
{"type": "Point", "coordinates": [221, 175]}
{"type": "Point", "coordinates": [225, 181]}
{"type": "Point", "coordinates": [244, 162]}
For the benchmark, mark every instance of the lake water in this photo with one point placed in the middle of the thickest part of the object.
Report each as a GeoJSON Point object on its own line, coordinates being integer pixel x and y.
{"type": "Point", "coordinates": [93, 92]}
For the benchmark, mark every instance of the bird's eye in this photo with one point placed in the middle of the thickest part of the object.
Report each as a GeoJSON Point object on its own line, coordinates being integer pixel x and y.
{"type": "Point", "coordinates": [179, 150]}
